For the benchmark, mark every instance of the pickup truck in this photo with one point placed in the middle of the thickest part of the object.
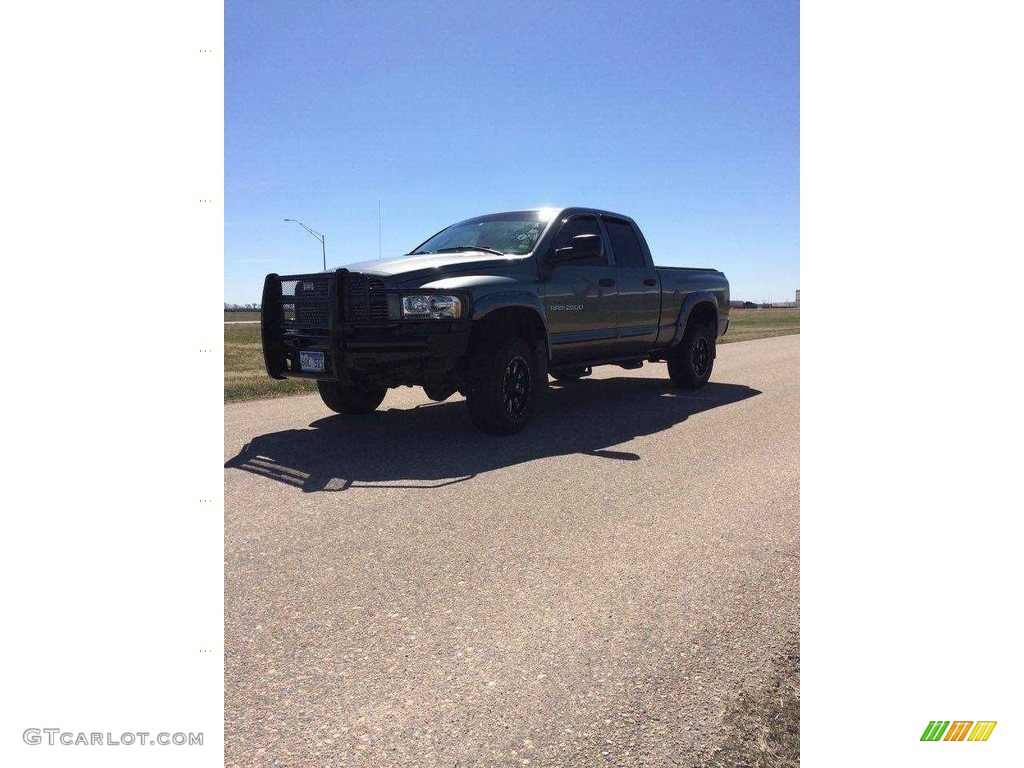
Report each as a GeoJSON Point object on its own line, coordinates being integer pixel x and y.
{"type": "Point", "coordinates": [490, 307]}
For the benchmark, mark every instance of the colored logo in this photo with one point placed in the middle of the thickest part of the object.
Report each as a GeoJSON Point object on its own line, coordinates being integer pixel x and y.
{"type": "Point", "coordinates": [958, 730]}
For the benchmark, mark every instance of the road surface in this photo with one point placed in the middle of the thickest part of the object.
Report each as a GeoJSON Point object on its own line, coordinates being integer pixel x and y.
{"type": "Point", "coordinates": [597, 590]}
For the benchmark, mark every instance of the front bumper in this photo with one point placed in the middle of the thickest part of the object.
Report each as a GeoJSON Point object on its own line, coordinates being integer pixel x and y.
{"type": "Point", "coordinates": [373, 350]}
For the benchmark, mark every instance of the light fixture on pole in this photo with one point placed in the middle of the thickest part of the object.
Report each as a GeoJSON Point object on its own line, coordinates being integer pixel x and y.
{"type": "Point", "coordinates": [318, 236]}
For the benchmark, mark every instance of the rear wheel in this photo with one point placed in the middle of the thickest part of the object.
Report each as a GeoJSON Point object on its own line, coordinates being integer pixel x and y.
{"type": "Point", "coordinates": [503, 387]}
{"type": "Point", "coordinates": [570, 374]}
{"type": "Point", "coordinates": [349, 398]}
{"type": "Point", "coordinates": [439, 392]}
{"type": "Point", "coordinates": [690, 363]}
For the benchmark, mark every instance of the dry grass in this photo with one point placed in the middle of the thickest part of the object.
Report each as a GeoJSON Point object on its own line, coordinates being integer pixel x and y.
{"type": "Point", "coordinates": [245, 378]}
{"type": "Point", "coordinates": [764, 726]}
{"type": "Point", "coordinates": [747, 324]}
{"type": "Point", "coordinates": [235, 317]}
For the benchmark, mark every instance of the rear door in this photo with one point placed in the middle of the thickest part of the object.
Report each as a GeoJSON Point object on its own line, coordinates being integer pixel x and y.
{"type": "Point", "coordinates": [639, 299]}
{"type": "Point", "coordinates": [580, 300]}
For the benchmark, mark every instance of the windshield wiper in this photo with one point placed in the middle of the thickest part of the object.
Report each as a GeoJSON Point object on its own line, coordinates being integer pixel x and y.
{"type": "Point", "coordinates": [457, 248]}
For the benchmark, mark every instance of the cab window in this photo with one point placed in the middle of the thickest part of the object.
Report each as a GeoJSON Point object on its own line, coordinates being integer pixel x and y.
{"type": "Point", "coordinates": [625, 244]}
{"type": "Point", "coordinates": [580, 225]}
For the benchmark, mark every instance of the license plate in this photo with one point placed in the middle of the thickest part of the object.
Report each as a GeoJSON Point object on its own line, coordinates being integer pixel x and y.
{"type": "Point", "coordinates": [311, 362]}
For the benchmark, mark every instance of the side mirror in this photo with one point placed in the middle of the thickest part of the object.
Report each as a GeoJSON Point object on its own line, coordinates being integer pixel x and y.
{"type": "Point", "coordinates": [586, 246]}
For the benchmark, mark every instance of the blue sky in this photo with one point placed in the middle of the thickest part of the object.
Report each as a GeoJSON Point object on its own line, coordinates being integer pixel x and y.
{"type": "Point", "coordinates": [684, 116]}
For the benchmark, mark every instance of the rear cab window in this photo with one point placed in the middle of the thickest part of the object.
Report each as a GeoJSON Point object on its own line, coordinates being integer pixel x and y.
{"type": "Point", "coordinates": [628, 251]}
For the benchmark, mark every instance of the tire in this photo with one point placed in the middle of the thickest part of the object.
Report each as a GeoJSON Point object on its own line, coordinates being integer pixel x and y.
{"type": "Point", "coordinates": [438, 393]}
{"type": "Point", "coordinates": [571, 374]}
{"type": "Point", "coordinates": [503, 386]}
{"type": "Point", "coordinates": [690, 363]}
{"type": "Point", "coordinates": [350, 399]}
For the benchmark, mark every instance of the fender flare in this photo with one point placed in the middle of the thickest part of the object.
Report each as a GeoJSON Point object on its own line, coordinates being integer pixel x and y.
{"type": "Point", "coordinates": [691, 302]}
{"type": "Point", "coordinates": [492, 302]}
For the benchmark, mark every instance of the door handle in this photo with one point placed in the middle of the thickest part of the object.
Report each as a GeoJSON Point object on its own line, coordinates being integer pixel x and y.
{"type": "Point", "coordinates": [649, 281]}
{"type": "Point", "coordinates": [607, 282]}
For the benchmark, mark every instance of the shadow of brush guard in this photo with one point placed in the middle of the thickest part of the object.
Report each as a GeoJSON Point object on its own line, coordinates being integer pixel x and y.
{"type": "Point", "coordinates": [434, 445]}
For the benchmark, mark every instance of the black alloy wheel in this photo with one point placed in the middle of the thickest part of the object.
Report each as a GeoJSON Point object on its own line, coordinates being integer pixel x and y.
{"type": "Point", "coordinates": [504, 378]}
{"type": "Point", "coordinates": [691, 361]}
{"type": "Point", "coordinates": [515, 388]}
{"type": "Point", "coordinates": [701, 357]}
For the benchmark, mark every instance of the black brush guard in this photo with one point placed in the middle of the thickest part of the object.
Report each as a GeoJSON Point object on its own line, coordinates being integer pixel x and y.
{"type": "Point", "coordinates": [299, 311]}
{"type": "Point", "coordinates": [356, 323]}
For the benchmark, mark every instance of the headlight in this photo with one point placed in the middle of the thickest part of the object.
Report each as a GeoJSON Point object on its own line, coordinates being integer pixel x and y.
{"type": "Point", "coordinates": [432, 306]}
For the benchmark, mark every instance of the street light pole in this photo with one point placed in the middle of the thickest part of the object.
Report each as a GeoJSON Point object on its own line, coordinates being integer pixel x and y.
{"type": "Point", "coordinates": [318, 236]}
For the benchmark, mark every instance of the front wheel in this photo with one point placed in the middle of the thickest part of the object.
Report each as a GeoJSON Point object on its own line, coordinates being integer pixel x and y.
{"type": "Point", "coordinates": [349, 398]}
{"type": "Point", "coordinates": [503, 387]}
{"type": "Point", "coordinates": [690, 363]}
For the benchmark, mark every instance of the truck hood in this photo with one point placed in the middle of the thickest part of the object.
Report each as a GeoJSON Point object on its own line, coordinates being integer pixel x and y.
{"type": "Point", "coordinates": [448, 262]}
{"type": "Point", "coordinates": [439, 263]}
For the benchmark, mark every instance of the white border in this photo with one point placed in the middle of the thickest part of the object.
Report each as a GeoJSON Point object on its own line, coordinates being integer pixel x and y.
{"type": "Point", "coordinates": [911, 263]}
{"type": "Point", "coordinates": [112, 567]}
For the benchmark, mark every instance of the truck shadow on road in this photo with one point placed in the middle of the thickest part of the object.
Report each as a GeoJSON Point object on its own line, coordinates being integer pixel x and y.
{"type": "Point", "coordinates": [434, 444]}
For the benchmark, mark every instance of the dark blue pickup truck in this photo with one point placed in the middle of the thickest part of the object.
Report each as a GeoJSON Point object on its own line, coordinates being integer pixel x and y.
{"type": "Point", "coordinates": [491, 306]}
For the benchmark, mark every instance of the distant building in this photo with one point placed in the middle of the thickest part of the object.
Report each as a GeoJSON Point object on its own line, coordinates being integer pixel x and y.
{"type": "Point", "coordinates": [798, 298]}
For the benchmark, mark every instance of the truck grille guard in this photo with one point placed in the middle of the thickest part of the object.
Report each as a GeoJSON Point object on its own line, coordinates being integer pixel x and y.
{"type": "Point", "coordinates": [305, 310]}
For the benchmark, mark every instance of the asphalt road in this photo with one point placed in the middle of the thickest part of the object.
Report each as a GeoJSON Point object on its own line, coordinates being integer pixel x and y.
{"type": "Point", "coordinates": [597, 590]}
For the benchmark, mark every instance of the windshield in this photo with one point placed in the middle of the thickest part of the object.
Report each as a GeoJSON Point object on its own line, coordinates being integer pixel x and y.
{"type": "Point", "coordinates": [503, 233]}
